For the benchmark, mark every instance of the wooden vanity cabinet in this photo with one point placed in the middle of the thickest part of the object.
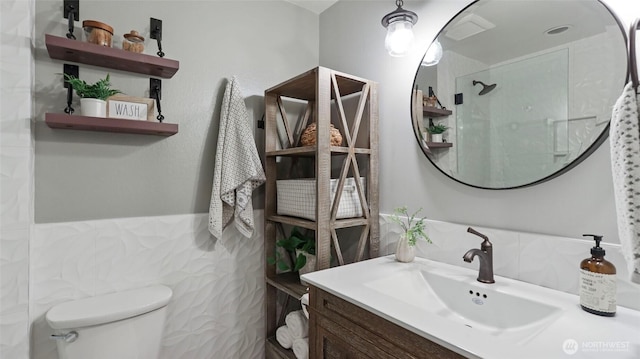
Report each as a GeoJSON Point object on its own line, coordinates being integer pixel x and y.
{"type": "Point", "coordinates": [339, 329]}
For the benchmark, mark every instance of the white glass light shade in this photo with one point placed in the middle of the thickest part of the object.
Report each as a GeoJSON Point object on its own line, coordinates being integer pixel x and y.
{"type": "Point", "coordinates": [399, 38]}
{"type": "Point", "coordinates": [433, 55]}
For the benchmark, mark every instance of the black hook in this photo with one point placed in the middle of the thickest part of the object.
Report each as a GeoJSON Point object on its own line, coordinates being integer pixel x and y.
{"type": "Point", "coordinates": [69, 110]}
{"type": "Point", "coordinates": [71, 12]}
{"type": "Point", "coordinates": [155, 87]}
{"type": "Point", "coordinates": [156, 33]}
{"type": "Point", "coordinates": [69, 70]}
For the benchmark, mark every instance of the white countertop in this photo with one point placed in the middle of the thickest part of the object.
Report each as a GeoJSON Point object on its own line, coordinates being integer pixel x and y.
{"type": "Point", "coordinates": [592, 336]}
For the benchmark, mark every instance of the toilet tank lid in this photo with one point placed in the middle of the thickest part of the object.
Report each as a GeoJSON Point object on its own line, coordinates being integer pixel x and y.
{"type": "Point", "coordinates": [108, 308]}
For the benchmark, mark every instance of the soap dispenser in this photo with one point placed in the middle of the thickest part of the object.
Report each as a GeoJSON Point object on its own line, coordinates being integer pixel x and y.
{"type": "Point", "coordinates": [598, 282]}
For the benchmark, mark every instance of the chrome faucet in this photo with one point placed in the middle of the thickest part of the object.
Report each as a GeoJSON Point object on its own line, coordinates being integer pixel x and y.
{"type": "Point", "coordinates": [485, 255]}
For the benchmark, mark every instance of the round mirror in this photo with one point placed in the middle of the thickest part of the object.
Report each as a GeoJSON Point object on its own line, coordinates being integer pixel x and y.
{"type": "Point", "coordinates": [514, 93]}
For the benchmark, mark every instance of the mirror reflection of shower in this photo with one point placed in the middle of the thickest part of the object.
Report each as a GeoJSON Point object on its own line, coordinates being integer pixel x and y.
{"type": "Point", "coordinates": [485, 88]}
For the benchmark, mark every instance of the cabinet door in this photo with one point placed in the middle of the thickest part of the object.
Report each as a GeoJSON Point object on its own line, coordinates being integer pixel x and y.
{"type": "Point", "coordinates": [362, 334]}
{"type": "Point", "coordinates": [337, 346]}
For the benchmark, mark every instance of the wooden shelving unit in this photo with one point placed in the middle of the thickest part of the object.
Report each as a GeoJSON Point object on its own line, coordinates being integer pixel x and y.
{"type": "Point", "coordinates": [289, 283]}
{"type": "Point", "coordinates": [101, 124]}
{"type": "Point", "coordinates": [61, 48]}
{"type": "Point", "coordinates": [275, 351]}
{"type": "Point", "coordinates": [325, 92]}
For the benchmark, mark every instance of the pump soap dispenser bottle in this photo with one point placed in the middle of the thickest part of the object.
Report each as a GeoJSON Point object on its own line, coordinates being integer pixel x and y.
{"type": "Point", "coordinates": [598, 282]}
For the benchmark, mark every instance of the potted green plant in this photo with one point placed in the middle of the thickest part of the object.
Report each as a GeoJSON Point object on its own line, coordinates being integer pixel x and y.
{"type": "Point", "coordinates": [436, 132]}
{"type": "Point", "coordinates": [413, 229]}
{"type": "Point", "coordinates": [301, 250]}
{"type": "Point", "coordinates": [93, 97]}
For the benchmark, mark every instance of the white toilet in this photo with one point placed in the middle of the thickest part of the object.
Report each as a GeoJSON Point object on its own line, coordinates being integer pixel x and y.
{"type": "Point", "coordinates": [125, 325]}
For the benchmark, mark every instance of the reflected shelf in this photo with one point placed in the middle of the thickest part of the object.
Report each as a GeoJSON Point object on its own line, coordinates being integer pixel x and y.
{"type": "Point", "coordinates": [439, 144]}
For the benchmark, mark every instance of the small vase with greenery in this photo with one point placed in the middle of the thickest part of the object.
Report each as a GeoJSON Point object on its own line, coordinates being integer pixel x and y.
{"type": "Point", "coordinates": [92, 96]}
{"type": "Point", "coordinates": [436, 132]}
{"type": "Point", "coordinates": [301, 249]}
{"type": "Point", "coordinates": [413, 230]}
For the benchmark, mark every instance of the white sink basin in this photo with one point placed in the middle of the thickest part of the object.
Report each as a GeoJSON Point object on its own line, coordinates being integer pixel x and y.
{"type": "Point", "coordinates": [454, 293]}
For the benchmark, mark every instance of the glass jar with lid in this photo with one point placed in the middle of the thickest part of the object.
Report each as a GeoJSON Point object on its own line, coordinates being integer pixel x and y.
{"type": "Point", "coordinates": [133, 42]}
{"type": "Point", "coordinates": [97, 32]}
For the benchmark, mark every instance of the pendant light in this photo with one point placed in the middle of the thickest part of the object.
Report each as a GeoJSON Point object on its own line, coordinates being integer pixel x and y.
{"type": "Point", "coordinates": [433, 55]}
{"type": "Point", "coordinates": [399, 24]}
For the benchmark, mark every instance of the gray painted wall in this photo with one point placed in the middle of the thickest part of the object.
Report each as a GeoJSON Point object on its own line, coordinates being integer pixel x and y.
{"type": "Point", "coordinates": [580, 201]}
{"type": "Point", "coordinates": [83, 175]}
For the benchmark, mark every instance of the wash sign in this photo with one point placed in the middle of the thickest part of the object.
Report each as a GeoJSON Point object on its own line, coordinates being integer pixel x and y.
{"type": "Point", "coordinates": [130, 108]}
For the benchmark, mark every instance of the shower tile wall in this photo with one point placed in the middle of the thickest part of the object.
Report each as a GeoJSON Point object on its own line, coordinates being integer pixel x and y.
{"type": "Point", "coordinates": [218, 285]}
{"type": "Point", "coordinates": [16, 154]}
{"type": "Point", "coordinates": [544, 260]}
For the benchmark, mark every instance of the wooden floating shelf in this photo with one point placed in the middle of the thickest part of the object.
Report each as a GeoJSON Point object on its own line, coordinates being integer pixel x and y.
{"type": "Point", "coordinates": [290, 283]}
{"type": "Point", "coordinates": [61, 48]}
{"type": "Point", "coordinates": [102, 124]}
{"type": "Point", "coordinates": [435, 112]}
{"type": "Point", "coordinates": [439, 144]}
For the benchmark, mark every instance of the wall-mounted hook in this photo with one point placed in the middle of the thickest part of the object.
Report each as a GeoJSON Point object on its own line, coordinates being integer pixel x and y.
{"type": "Point", "coordinates": [261, 122]}
{"type": "Point", "coordinates": [70, 70]}
{"type": "Point", "coordinates": [156, 33]}
{"type": "Point", "coordinates": [71, 11]}
{"type": "Point", "coordinates": [155, 90]}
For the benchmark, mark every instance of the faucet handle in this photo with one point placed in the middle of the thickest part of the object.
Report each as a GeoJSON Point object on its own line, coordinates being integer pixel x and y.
{"type": "Point", "coordinates": [473, 231]}
{"type": "Point", "coordinates": [485, 243]}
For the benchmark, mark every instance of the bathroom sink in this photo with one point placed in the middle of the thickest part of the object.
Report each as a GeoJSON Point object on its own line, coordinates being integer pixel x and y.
{"type": "Point", "coordinates": [504, 308]}
{"type": "Point", "coordinates": [479, 305]}
{"type": "Point", "coordinates": [446, 304]}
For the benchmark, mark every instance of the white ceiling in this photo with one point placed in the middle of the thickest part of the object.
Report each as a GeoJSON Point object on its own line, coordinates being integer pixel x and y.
{"type": "Point", "coordinates": [520, 27]}
{"type": "Point", "coordinates": [317, 6]}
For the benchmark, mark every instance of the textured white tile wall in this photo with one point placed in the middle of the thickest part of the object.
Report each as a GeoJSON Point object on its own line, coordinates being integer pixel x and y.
{"type": "Point", "coordinates": [544, 260]}
{"type": "Point", "coordinates": [218, 285]}
{"type": "Point", "coordinates": [16, 174]}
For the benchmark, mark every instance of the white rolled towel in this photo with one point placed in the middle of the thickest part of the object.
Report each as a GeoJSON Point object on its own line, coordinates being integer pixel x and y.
{"type": "Point", "coordinates": [298, 324]}
{"type": "Point", "coordinates": [304, 301]}
{"type": "Point", "coordinates": [301, 348]}
{"type": "Point", "coordinates": [283, 336]}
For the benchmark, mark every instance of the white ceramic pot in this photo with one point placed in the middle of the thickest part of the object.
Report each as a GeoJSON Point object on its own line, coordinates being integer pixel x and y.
{"type": "Point", "coordinates": [309, 267]}
{"type": "Point", "coordinates": [436, 137]}
{"type": "Point", "coordinates": [405, 252]}
{"type": "Point", "coordinates": [93, 107]}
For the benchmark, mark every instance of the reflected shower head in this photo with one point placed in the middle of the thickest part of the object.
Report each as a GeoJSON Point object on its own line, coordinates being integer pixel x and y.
{"type": "Point", "coordinates": [485, 88]}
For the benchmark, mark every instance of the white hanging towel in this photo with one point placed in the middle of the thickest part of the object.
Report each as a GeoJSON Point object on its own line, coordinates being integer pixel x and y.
{"type": "Point", "coordinates": [624, 135]}
{"type": "Point", "coordinates": [238, 170]}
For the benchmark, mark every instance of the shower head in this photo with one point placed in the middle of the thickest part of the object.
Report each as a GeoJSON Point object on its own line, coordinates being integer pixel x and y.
{"type": "Point", "coordinates": [485, 88]}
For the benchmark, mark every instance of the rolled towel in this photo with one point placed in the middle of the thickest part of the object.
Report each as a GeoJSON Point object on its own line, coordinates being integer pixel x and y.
{"type": "Point", "coordinates": [283, 336]}
{"type": "Point", "coordinates": [298, 324]}
{"type": "Point", "coordinates": [301, 348]}
{"type": "Point", "coordinates": [305, 303]}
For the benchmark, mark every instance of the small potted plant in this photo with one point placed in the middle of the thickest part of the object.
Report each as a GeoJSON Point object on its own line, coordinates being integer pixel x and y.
{"type": "Point", "coordinates": [413, 230]}
{"type": "Point", "coordinates": [301, 250]}
{"type": "Point", "coordinates": [93, 98]}
{"type": "Point", "coordinates": [436, 132]}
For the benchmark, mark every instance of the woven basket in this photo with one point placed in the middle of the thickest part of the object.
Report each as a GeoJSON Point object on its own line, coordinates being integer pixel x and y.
{"type": "Point", "coordinates": [308, 137]}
